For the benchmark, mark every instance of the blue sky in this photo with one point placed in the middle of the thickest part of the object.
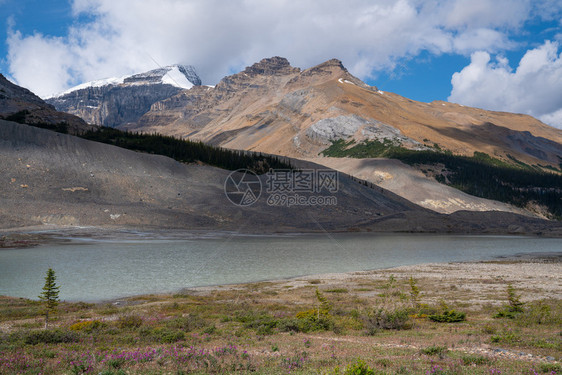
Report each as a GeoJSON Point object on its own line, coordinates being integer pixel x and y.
{"type": "Point", "coordinates": [493, 54]}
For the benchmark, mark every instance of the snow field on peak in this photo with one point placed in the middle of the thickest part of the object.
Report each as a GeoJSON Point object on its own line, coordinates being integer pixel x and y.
{"type": "Point", "coordinates": [173, 77]}
{"type": "Point", "coordinates": [96, 83]}
{"type": "Point", "coordinates": [176, 78]}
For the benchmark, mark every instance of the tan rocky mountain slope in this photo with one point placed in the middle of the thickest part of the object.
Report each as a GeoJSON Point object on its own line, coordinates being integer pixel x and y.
{"type": "Point", "coordinates": [273, 107]}
{"type": "Point", "coordinates": [276, 108]}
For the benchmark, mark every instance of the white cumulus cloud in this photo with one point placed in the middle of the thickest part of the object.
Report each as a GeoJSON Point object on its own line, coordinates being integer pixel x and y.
{"type": "Point", "coordinates": [534, 87]}
{"type": "Point", "coordinates": [219, 37]}
{"type": "Point", "coordinates": [31, 71]}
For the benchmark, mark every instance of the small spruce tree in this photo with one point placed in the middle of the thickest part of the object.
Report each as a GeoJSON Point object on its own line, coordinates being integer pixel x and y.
{"type": "Point", "coordinates": [513, 307]}
{"type": "Point", "coordinates": [414, 292]}
{"type": "Point", "coordinates": [515, 304]}
{"type": "Point", "coordinates": [324, 306]}
{"type": "Point", "coordinates": [50, 295]}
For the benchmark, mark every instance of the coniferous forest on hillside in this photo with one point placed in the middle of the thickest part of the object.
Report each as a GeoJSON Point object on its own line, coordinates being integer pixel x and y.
{"type": "Point", "coordinates": [182, 150]}
{"type": "Point", "coordinates": [187, 151]}
{"type": "Point", "coordinates": [480, 175]}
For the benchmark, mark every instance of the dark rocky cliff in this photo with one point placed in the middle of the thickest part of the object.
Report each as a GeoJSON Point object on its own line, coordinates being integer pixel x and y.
{"type": "Point", "coordinates": [21, 105]}
{"type": "Point", "coordinates": [122, 104]}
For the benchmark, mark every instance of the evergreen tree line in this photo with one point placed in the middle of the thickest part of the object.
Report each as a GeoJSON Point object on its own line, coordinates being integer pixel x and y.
{"type": "Point", "coordinates": [480, 175]}
{"type": "Point", "coordinates": [21, 118]}
{"type": "Point", "coordinates": [187, 151]}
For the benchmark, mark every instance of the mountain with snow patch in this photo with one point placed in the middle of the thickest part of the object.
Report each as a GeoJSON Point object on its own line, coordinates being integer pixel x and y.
{"type": "Point", "coordinates": [119, 102]}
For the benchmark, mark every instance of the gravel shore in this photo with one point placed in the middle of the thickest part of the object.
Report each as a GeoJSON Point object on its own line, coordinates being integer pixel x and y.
{"type": "Point", "coordinates": [535, 276]}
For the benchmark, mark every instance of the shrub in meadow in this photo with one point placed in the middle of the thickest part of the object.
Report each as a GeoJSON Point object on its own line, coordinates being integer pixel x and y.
{"type": "Point", "coordinates": [186, 323]}
{"type": "Point", "coordinates": [381, 319]}
{"type": "Point", "coordinates": [359, 367]}
{"type": "Point", "coordinates": [448, 315]}
{"type": "Point", "coordinates": [53, 336]}
{"type": "Point", "coordinates": [262, 322]}
{"type": "Point", "coordinates": [313, 320]}
{"type": "Point", "coordinates": [162, 335]}
{"type": "Point", "coordinates": [507, 336]}
{"type": "Point", "coordinates": [434, 350]}
{"type": "Point", "coordinates": [87, 326]}
{"type": "Point", "coordinates": [550, 368]}
{"type": "Point", "coordinates": [541, 313]}
{"type": "Point", "coordinates": [473, 359]}
{"type": "Point", "coordinates": [129, 321]}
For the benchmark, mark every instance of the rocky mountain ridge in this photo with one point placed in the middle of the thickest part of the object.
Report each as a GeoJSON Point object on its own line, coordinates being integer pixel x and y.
{"type": "Point", "coordinates": [274, 107]}
{"type": "Point", "coordinates": [119, 101]}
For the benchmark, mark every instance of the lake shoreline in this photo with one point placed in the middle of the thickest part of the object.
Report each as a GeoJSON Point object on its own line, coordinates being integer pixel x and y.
{"type": "Point", "coordinates": [477, 268]}
{"type": "Point", "coordinates": [516, 268]}
{"type": "Point", "coordinates": [26, 237]}
{"type": "Point", "coordinates": [111, 267]}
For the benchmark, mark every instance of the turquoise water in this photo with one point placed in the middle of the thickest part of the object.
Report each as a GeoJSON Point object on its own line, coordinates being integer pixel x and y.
{"type": "Point", "coordinates": [104, 269]}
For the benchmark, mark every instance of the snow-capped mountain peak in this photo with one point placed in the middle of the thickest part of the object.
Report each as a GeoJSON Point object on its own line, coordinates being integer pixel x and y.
{"type": "Point", "coordinates": [123, 100]}
{"type": "Point", "coordinates": [181, 76]}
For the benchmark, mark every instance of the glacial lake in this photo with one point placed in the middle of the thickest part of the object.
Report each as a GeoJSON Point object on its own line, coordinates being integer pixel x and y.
{"type": "Point", "coordinates": [109, 268]}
